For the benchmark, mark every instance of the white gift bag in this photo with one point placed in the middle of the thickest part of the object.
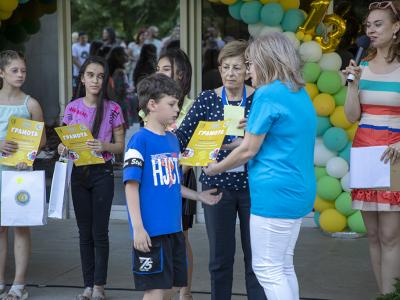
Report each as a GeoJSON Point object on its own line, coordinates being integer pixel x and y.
{"type": "Point", "coordinates": [23, 198]}
{"type": "Point", "coordinates": [59, 194]}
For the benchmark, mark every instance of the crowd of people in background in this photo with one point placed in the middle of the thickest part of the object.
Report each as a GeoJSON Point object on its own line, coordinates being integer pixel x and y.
{"type": "Point", "coordinates": [131, 61]}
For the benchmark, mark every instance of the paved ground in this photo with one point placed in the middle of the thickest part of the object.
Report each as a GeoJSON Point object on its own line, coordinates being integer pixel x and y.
{"type": "Point", "coordinates": [327, 268]}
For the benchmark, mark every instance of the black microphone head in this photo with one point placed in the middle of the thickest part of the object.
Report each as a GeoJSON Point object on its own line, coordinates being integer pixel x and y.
{"type": "Point", "coordinates": [363, 42]}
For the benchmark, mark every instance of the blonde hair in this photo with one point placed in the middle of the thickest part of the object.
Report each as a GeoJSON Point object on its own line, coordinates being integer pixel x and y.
{"type": "Point", "coordinates": [232, 49]}
{"type": "Point", "coordinates": [274, 57]}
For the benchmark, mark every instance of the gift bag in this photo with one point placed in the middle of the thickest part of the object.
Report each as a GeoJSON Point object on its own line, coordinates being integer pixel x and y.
{"type": "Point", "coordinates": [59, 193]}
{"type": "Point", "coordinates": [23, 198]}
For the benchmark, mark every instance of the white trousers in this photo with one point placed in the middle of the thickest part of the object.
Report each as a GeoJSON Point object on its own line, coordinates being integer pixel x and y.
{"type": "Point", "coordinates": [272, 245]}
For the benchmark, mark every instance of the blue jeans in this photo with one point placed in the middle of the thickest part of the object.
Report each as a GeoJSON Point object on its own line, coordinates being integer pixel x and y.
{"type": "Point", "coordinates": [221, 224]}
{"type": "Point", "coordinates": [92, 194]}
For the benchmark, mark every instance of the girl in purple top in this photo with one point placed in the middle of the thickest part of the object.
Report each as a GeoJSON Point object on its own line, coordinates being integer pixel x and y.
{"type": "Point", "coordinates": [93, 186]}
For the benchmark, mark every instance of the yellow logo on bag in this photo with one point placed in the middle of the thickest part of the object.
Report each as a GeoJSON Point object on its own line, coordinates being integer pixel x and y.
{"type": "Point", "coordinates": [22, 197]}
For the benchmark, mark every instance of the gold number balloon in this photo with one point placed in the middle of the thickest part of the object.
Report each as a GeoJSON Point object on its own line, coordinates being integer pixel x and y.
{"type": "Point", "coordinates": [314, 18]}
{"type": "Point", "coordinates": [332, 39]}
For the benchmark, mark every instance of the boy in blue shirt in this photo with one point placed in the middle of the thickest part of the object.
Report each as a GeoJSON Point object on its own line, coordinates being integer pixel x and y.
{"type": "Point", "coordinates": [153, 189]}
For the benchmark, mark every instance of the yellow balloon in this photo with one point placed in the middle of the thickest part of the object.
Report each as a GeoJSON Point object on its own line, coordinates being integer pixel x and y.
{"type": "Point", "coordinates": [321, 204]}
{"type": "Point", "coordinates": [315, 16]}
{"type": "Point", "coordinates": [338, 118]}
{"type": "Point", "coordinates": [288, 4]}
{"type": "Point", "coordinates": [351, 132]}
{"type": "Point", "coordinates": [268, 1]}
{"type": "Point", "coordinates": [8, 5]}
{"type": "Point", "coordinates": [228, 2]}
{"type": "Point", "coordinates": [4, 15]}
{"type": "Point", "coordinates": [331, 42]}
{"type": "Point", "coordinates": [307, 38]}
{"type": "Point", "coordinates": [312, 90]}
{"type": "Point", "coordinates": [324, 104]}
{"type": "Point", "coordinates": [331, 220]}
{"type": "Point", "coordinates": [300, 35]}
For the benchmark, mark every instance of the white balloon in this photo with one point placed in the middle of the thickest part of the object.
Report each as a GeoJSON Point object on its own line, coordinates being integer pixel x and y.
{"type": "Point", "coordinates": [255, 29]}
{"type": "Point", "coordinates": [310, 51]}
{"type": "Point", "coordinates": [292, 37]}
{"type": "Point", "coordinates": [345, 182]}
{"type": "Point", "coordinates": [330, 62]}
{"type": "Point", "coordinates": [337, 167]}
{"type": "Point", "coordinates": [322, 155]}
{"type": "Point", "coordinates": [267, 29]}
{"type": "Point", "coordinates": [319, 140]}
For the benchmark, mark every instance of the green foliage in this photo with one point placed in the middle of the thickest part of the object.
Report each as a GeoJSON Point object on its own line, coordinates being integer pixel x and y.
{"type": "Point", "coordinates": [125, 16]}
{"type": "Point", "coordinates": [394, 295]}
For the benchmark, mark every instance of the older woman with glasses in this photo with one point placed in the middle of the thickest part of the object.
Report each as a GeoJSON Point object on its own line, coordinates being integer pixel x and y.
{"type": "Point", "coordinates": [279, 146]}
{"type": "Point", "coordinates": [221, 218]}
{"type": "Point", "coordinates": [374, 99]}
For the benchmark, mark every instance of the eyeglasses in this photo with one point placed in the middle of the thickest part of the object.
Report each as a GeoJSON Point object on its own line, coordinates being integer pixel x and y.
{"type": "Point", "coordinates": [248, 64]}
{"type": "Point", "coordinates": [384, 5]}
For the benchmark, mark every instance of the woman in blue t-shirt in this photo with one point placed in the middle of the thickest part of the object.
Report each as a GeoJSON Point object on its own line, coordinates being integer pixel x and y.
{"type": "Point", "coordinates": [279, 145]}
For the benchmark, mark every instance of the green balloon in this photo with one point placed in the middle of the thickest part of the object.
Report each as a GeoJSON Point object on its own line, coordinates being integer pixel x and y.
{"type": "Point", "coordinates": [292, 19]}
{"type": "Point", "coordinates": [328, 188]}
{"type": "Point", "coordinates": [340, 97]}
{"type": "Point", "coordinates": [16, 34]}
{"type": "Point", "coordinates": [250, 12]}
{"type": "Point", "coordinates": [311, 71]}
{"type": "Point", "coordinates": [320, 172]}
{"type": "Point", "coordinates": [323, 124]}
{"type": "Point", "coordinates": [329, 82]}
{"type": "Point", "coordinates": [335, 139]}
{"type": "Point", "coordinates": [234, 10]}
{"type": "Point", "coordinates": [31, 26]}
{"type": "Point", "coordinates": [272, 14]}
{"type": "Point", "coordinates": [356, 223]}
{"type": "Point", "coordinates": [343, 204]}
{"type": "Point", "coordinates": [345, 153]}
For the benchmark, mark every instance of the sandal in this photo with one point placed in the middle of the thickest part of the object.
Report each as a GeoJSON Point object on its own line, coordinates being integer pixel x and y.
{"type": "Point", "coordinates": [16, 294]}
{"type": "Point", "coordinates": [86, 295]}
{"type": "Point", "coordinates": [99, 296]}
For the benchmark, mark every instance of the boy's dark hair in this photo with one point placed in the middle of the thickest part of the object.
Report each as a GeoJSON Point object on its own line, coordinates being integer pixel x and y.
{"type": "Point", "coordinates": [156, 86]}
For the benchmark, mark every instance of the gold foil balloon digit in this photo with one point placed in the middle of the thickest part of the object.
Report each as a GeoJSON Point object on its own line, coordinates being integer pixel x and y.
{"type": "Point", "coordinates": [314, 18]}
{"type": "Point", "coordinates": [332, 40]}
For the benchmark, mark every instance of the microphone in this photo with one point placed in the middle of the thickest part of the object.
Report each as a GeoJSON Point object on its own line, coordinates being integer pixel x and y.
{"type": "Point", "coordinates": [363, 44]}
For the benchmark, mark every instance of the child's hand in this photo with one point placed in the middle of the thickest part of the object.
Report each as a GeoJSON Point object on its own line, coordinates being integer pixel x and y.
{"type": "Point", "coordinates": [8, 147]}
{"type": "Point", "coordinates": [95, 145]}
{"type": "Point", "coordinates": [207, 197]}
{"type": "Point", "coordinates": [141, 240]}
{"type": "Point", "coordinates": [210, 169]}
{"type": "Point", "coordinates": [61, 149]}
{"type": "Point", "coordinates": [21, 166]}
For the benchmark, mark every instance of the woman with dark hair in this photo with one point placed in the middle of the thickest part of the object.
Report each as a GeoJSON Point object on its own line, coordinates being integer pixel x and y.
{"type": "Point", "coordinates": [95, 47]}
{"type": "Point", "coordinates": [93, 185]}
{"type": "Point", "coordinates": [373, 99]}
{"type": "Point", "coordinates": [134, 49]}
{"type": "Point", "coordinates": [118, 82]}
{"type": "Point", "coordinates": [146, 64]}
{"type": "Point", "coordinates": [211, 78]}
{"type": "Point", "coordinates": [109, 37]}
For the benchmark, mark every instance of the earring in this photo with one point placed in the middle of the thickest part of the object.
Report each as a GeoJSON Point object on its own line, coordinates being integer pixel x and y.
{"type": "Point", "coordinates": [394, 36]}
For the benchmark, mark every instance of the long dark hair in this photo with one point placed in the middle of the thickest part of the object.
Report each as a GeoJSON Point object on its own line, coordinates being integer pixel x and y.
{"type": "Point", "coordinates": [180, 65]}
{"type": "Point", "coordinates": [6, 57]}
{"type": "Point", "coordinates": [146, 64]}
{"type": "Point", "coordinates": [81, 91]}
{"type": "Point", "coordinates": [116, 59]}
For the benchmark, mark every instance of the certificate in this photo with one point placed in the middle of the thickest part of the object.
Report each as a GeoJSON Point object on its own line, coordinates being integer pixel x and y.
{"type": "Point", "coordinates": [27, 134]}
{"type": "Point", "coordinates": [232, 116]}
{"type": "Point", "coordinates": [74, 137]}
{"type": "Point", "coordinates": [205, 144]}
